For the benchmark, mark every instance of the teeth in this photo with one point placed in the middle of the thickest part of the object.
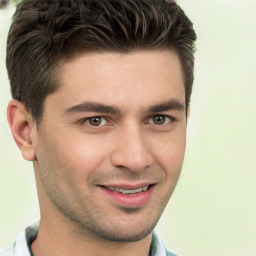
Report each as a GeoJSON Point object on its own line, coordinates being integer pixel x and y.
{"type": "Point", "coordinates": [128, 191]}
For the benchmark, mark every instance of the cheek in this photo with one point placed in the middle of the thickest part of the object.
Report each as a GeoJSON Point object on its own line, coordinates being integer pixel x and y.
{"type": "Point", "coordinates": [81, 156]}
{"type": "Point", "coordinates": [170, 152]}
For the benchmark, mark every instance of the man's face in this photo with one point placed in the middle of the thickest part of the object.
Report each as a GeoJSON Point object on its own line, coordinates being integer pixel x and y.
{"type": "Point", "coordinates": [110, 147]}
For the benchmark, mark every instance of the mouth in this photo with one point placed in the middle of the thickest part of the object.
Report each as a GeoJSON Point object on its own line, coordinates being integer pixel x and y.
{"type": "Point", "coordinates": [128, 191]}
{"type": "Point", "coordinates": [128, 195]}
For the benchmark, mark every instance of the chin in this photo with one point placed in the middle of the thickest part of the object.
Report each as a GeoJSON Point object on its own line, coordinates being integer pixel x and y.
{"type": "Point", "coordinates": [125, 236]}
{"type": "Point", "coordinates": [127, 231]}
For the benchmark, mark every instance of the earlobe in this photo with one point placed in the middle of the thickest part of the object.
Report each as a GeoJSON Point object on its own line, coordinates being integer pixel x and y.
{"type": "Point", "coordinates": [21, 124]}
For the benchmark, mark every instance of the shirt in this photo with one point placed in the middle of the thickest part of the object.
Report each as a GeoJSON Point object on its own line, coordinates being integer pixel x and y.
{"type": "Point", "coordinates": [22, 246]}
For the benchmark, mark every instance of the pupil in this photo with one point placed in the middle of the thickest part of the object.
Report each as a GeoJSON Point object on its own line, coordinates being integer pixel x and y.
{"type": "Point", "coordinates": [159, 119]}
{"type": "Point", "coordinates": [95, 121]}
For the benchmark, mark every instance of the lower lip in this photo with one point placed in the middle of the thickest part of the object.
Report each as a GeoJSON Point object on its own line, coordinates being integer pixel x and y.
{"type": "Point", "coordinates": [134, 201]}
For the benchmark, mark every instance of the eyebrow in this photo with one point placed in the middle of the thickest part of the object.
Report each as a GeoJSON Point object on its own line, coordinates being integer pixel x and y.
{"type": "Point", "coordinates": [91, 106]}
{"type": "Point", "coordinates": [173, 104]}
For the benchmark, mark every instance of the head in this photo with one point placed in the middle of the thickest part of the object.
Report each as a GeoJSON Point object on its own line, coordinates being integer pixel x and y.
{"type": "Point", "coordinates": [52, 33]}
{"type": "Point", "coordinates": [102, 90]}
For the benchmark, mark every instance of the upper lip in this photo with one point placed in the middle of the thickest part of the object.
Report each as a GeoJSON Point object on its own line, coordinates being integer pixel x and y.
{"type": "Point", "coordinates": [128, 185]}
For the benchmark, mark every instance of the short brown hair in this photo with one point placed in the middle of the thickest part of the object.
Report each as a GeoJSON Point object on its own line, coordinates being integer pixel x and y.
{"type": "Point", "coordinates": [44, 34]}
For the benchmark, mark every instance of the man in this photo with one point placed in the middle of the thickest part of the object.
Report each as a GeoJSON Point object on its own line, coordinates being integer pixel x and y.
{"type": "Point", "coordinates": [101, 93]}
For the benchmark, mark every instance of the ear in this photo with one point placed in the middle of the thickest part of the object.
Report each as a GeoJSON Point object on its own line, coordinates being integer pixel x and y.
{"type": "Point", "coordinates": [21, 124]}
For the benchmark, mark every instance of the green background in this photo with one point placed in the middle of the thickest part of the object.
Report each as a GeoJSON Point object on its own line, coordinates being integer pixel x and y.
{"type": "Point", "coordinates": [213, 210]}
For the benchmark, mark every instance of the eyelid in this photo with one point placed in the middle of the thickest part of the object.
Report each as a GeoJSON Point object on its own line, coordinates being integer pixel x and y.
{"type": "Point", "coordinates": [171, 119]}
{"type": "Point", "coordinates": [85, 120]}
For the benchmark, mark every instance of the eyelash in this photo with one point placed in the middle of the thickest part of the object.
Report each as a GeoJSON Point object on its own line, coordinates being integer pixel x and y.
{"type": "Point", "coordinates": [85, 120]}
{"type": "Point", "coordinates": [102, 118]}
{"type": "Point", "coordinates": [171, 119]}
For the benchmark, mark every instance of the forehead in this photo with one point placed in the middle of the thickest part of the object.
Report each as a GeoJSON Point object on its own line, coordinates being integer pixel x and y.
{"type": "Point", "coordinates": [131, 79]}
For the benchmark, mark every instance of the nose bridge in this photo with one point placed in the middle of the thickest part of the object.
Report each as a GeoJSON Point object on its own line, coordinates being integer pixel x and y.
{"type": "Point", "coordinates": [131, 150]}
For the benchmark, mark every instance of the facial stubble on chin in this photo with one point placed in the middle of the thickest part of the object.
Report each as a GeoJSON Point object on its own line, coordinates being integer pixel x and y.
{"type": "Point", "coordinates": [102, 232]}
{"type": "Point", "coordinates": [91, 218]}
{"type": "Point", "coordinates": [84, 219]}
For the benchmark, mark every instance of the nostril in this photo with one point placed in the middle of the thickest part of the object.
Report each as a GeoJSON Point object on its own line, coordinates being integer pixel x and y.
{"type": "Point", "coordinates": [130, 164]}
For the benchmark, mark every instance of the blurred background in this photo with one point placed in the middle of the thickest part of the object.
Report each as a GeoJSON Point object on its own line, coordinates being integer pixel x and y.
{"type": "Point", "coordinates": [213, 210]}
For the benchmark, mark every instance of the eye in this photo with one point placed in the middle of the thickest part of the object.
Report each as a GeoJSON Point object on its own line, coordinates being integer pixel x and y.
{"type": "Point", "coordinates": [95, 121]}
{"type": "Point", "coordinates": [160, 119]}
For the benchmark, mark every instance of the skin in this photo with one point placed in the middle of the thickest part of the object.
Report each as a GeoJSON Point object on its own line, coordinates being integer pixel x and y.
{"type": "Point", "coordinates": [138, 139]}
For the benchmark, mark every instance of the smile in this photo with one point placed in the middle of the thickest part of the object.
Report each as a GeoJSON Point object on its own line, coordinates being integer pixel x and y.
{"type": "Point", "coordinates": [128, 191]}
{"type": "Point", "coordinates": [131, 196]}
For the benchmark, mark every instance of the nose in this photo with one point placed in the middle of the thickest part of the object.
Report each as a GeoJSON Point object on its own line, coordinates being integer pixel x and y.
{"type": "Point", "coordinates": [131, 151]}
